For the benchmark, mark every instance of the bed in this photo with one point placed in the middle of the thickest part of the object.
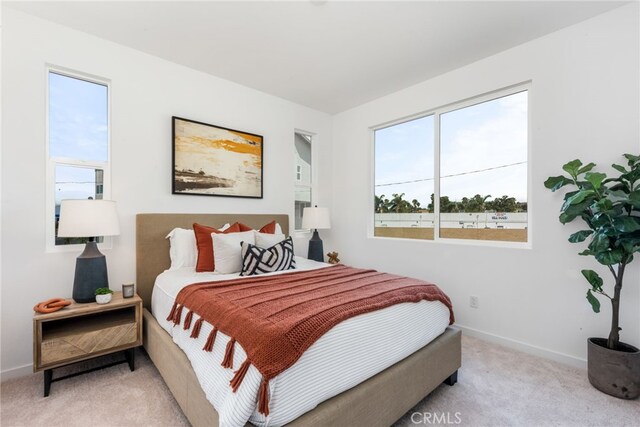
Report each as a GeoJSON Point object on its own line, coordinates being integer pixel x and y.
{"type": "Point", "coordinates": [380, 400]}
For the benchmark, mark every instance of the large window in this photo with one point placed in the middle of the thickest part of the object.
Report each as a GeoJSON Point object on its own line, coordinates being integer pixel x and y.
{"type": "Point", "coordinates": [465, 178]}
{"type": "Point", "coordinates": [303, 179]}
{"type": "Point", "coordinates": [78, 144]}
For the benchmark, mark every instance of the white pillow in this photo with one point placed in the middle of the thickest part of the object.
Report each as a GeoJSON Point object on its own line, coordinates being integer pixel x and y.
{"type": "Point", "coordinates": [266, 240]}
{"type": "Point", "coordinates": [278, 230]}
{"type": "Point", "coordinates": [228, 249]}
{"type": "Point", "coordinates": [183, 250]}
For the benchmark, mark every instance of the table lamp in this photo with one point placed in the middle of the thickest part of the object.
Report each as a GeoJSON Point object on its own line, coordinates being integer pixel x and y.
{"type": "Point", "coordinates": [89, 218]}
{"type": "Point", "coordinates": [315, 218]}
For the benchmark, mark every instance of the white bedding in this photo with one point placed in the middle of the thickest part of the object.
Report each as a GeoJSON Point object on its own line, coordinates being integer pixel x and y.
{"type": "Point", "coordinates": [348, 354]}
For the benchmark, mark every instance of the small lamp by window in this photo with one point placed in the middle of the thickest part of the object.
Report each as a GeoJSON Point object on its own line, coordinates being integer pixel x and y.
{"type": "Point", "coordinates": [89, 218]}
{"type": "Point", "coordinates": [316, 218]}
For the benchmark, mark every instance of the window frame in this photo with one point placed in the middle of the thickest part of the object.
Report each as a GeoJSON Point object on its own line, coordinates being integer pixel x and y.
{"type": "Point", "coordinates": [52, 162]}
{"type": "Point", "coordinates": [437, 112]}
{"type": "Point", "coordinates": [314, 174]}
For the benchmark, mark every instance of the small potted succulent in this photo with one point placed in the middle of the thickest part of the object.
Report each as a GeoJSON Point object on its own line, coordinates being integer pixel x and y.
{"type": "Point", "coordinates": [103, 295]}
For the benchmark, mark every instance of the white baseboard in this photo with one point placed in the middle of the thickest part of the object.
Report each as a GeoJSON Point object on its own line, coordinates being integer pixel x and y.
{"type": "Point", "coordinates": [20, 371]}
{"type": "Point", "coordinates": [573, 361]}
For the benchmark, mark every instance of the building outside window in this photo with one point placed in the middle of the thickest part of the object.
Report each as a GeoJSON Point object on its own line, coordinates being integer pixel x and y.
{"type": "Point", "coordinates": [459, 172]}
{"type": "Point", "coordinates": [78, 144]}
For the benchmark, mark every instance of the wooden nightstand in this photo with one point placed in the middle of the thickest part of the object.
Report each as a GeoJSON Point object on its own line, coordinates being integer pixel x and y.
{"type": "Point", "coordinates": [84, 331]}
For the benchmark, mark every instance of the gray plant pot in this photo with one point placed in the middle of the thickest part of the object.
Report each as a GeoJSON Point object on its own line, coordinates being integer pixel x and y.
{"type": "Point", "coordinates": [615, 372]}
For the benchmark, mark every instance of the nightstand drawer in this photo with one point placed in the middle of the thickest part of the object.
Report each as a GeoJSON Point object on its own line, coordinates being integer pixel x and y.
{"type": "Point", "coordinates": [66, 347]}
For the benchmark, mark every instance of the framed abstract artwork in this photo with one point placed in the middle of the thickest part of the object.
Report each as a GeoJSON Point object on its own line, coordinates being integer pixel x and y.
{"type": "Point", "coordinates": [211, 160]}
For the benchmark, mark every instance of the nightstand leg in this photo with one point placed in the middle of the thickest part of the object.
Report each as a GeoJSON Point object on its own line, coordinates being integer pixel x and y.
{"type": "Point", "coordinates": [48, 376]}
{"type": "Point", "coordinates": [130, 354]}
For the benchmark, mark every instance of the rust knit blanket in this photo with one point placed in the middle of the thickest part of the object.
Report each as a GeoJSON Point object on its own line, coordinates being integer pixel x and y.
{"type": "Point", "coordinates": [277, 318]}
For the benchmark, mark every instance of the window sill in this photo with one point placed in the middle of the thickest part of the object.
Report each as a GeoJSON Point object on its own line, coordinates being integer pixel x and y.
{"type": "Point", "coordinates": [461, 242]}
{"type": "Point", "coordinates": [78, 248]}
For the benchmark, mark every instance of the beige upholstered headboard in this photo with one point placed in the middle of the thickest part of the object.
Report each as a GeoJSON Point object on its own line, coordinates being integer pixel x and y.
{"type": "Point", "coordinates": [152, 248]}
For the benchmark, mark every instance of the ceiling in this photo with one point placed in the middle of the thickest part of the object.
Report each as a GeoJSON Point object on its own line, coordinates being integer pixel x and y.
{"type": "Point", "coordinates": [327, 55]}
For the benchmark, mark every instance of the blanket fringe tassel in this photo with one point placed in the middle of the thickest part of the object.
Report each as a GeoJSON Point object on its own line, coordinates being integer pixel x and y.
{"type": "Point", "coordinates": [263, 397]}
{"type": "Point", "coordinates": [172, 312]}
{"type": "Point", "coordinates": [187, 320]}
{"type": "Point", "coordinates": [177, 315]}
{"type": "Point", "coordinates": [208, 346]}
{"type": "Point", "coordinates": [227, 362]}
{"type": "Point", "coordinates": [196, 328]}
{"type": "Point", "coordinates": [239, 375]}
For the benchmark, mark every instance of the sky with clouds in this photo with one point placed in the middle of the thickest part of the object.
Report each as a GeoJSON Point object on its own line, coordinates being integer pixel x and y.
{"type": "Point", "coordinates": [488, 135]}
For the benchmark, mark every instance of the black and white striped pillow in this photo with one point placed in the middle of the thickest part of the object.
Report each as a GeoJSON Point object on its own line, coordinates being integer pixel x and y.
{"type": "Point", "coordinates": [256, 260]}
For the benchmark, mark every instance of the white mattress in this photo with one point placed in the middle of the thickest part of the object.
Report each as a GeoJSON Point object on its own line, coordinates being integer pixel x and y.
{"type": "Point", "coordinates": [348, 354]}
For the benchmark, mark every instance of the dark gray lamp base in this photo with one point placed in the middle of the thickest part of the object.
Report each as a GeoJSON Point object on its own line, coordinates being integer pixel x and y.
{"type": "Point", "coordinates": [316, 252]}
{"type": "Point", "coordinates": [91, 274]}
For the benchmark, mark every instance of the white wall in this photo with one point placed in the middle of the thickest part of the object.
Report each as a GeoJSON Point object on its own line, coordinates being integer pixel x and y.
{"type": "Point", "coordinates": [146, 92]}
{"type": "Point", "coordinates": [585, 104]}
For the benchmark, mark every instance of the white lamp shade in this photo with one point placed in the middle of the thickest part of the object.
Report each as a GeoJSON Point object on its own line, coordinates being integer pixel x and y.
{"type": "Point", "coordinates": [88, 218]}
{"type": "Point", "coordinates": [316, 218]}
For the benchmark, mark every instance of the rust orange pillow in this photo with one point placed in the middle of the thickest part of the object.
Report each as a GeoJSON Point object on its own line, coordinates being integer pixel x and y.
{"type": "Point", "coordinates": [205, 245]}
{"type": "Point", "coordinates": [269, 228]}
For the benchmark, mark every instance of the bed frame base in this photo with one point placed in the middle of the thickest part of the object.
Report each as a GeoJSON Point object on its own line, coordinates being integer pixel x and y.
{"type": "Point", "coordinates": [379, 401]}
{"type": "Point", "coordinates": [452, 379]}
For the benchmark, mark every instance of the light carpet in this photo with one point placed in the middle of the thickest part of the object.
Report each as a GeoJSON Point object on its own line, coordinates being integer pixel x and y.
{"type": "Point", "coordinates": [497, 387]}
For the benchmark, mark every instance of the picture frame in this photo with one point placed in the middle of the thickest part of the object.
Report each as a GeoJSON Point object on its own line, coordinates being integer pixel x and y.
{"type": "Point", "coordinates": [210, 160]}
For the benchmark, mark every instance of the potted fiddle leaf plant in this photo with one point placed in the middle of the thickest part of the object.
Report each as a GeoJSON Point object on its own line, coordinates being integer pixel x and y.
{"type": "Point", "coordinates": [610, 209]}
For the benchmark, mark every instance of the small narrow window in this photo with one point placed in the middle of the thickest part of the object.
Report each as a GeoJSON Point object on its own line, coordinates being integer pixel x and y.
{"type": "Point", "coordinates": [303, 184]}
{"type": "Point", "coordinates": [78, 144]}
